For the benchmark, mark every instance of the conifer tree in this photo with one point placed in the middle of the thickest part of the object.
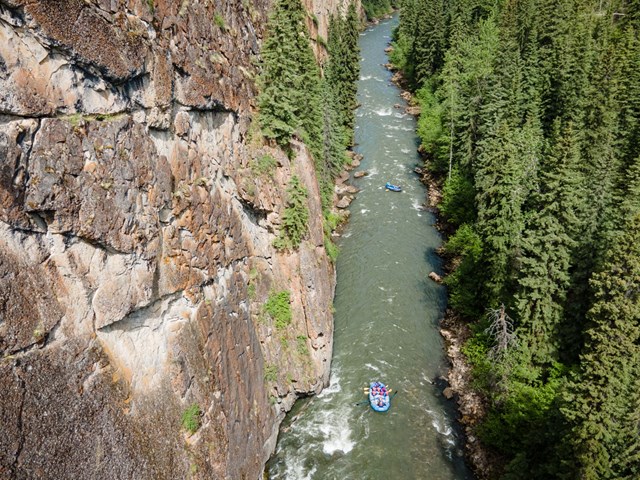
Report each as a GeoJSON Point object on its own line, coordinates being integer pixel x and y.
{"type": "Point", "coordinates": [343, 68]}
{"type": "Point", "coordinates": [546, 250]}
{"type": "Point", "coordinates": [603, 404]}
{"type": "Point", "coordinates": [290, 95]}
{"type": "Point", "coordinates": [352, 51]}
{"type": "Point", "coordinates": [630, 201]}
{"type": "Point", "coordinates": [427, 51]}
{"type": "Point", "coordinates": [500, 180]}
{"type": "Point", "coordinates": [333, 148]}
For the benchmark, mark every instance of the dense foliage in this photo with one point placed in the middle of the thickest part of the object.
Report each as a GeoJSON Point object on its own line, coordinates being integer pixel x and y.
{"type": "Point", "coordinates": [299, 100]}
{"type": "Point", "coordinates": [377, 8]}
{"type": "Point", "coordinates": [531, 112]}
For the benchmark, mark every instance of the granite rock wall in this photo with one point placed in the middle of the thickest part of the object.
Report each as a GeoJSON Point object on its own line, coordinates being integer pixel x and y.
{"type": "Point", "coordinates": [136, 244]}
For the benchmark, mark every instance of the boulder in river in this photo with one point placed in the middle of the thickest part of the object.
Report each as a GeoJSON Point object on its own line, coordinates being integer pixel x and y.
{"type": "Point", "coordinates": [435, 277]}
{"type": "Point", "coordinates": [344, 202]}
{"type": "Point", "coordinates": [360, 174]}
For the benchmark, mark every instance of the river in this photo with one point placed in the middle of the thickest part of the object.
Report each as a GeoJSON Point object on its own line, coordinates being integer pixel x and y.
{"type": "Point", "coordinates": [386, 316]}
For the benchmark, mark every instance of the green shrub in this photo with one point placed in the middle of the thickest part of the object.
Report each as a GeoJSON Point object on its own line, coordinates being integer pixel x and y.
{"type": "Point", "coordinates": [295, 218]}
{"type": "Point", "coordinates": [331, 221]}
{"type": "Point", "coordinates": [278, 307]}
{"type": "Point", "coordinates": [251, 288]}
{"type": "Point", "coordinates": [465, 282]}
{"type": "Point", "coordinates": [331, 248]}
{"type": "Point", "coordinates": [270, 373]}
{"type": "Point", "coordinates": [218, 20]}
{"type": "Point", "coordinates": [430, 121]}
{"type": "Point", "coordinates": [303, 349]}
{"type": "Point", "coordinates": [191, 418]}
{"type": "Point", "coordinates": [265, 165]}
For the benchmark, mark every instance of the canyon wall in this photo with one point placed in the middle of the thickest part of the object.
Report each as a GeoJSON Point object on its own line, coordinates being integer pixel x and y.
{"type": "Point", "coordinates": [136, 227]}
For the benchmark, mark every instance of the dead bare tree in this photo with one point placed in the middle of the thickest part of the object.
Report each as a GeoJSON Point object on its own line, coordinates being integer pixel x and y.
{"type": "Point", "coordinates": [502, 331]}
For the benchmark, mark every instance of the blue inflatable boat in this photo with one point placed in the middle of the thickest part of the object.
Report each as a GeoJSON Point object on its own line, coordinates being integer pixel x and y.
{"type": "Point", "coordinates": [392, 187]}
{"type": "Point", "coordinates": [379, 398]}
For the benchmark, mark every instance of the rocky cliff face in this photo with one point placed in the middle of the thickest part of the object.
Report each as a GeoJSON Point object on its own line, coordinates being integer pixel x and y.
{"type": "Point", "coordinates": [136, 229]}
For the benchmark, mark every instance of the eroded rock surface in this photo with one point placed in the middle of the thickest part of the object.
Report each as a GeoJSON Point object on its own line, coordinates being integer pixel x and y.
{"type": "Point", "coordinates": [136, 244]}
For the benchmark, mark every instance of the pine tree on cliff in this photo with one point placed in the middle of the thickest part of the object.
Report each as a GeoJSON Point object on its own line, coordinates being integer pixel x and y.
{"type": "Point", "coordinates": [351, 42]}
{"type": "Point", "coordinates": [336, 75]}
{"type": "Point", "coordinates": [333, 148]}
{"type": "Point", "coordinates": [604, 404]}
{"type": "Point", "coordinates": [343, 68]}
{"type": "Point", "coordinates": [289, 99]}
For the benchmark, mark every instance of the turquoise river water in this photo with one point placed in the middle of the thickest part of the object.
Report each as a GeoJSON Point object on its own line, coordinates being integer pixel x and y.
{"type": "Point", "coordinates": [386, 316]}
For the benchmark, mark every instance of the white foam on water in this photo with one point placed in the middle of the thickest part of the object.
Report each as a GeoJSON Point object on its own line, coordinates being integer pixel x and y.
{"type": "Point", "coordinates": [405, 150]}
{"type": "Point", "coordinates": [399, 115]}
{"type": "Point", "coordinates": [364, 211]}
{"type": "Point", "coordinates": [442, 427]}
{"type": "Point", "coordinates": [295, 469]}
{"type": "Point", "coordinates": [366, 77]}
{"type": "Point", "coordinates": [417, 205]}
{"type": "Point", "coordinates": [334, 386]}
{"type": "Point", "coordinates": [337, 434]}
{"type": "Point", "coordinates": [373, 367]}
{"type": "Point", "coordinates": [384, 112]}
{"type": "Point", "coordinates": [402, 329]}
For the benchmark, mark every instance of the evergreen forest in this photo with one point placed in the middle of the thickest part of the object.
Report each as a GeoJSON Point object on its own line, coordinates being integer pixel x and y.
{"type": "Point", "coordinates": [531, 116]}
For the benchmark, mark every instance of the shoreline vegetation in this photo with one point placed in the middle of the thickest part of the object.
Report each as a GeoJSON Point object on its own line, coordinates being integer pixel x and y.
{"type": "Point", "coordinates": [457, 385]}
